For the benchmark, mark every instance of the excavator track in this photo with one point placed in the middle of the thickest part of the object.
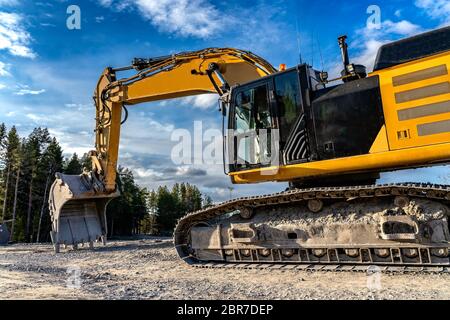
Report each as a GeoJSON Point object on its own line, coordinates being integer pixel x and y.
{"type": "Point", "coordinates": [398, 256]}
{"type": "Point", "coordinates": [325, 268]}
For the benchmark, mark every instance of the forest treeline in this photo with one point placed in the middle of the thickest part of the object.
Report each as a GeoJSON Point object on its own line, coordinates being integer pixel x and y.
{"type": "Point", "coordinates": [27, 170]}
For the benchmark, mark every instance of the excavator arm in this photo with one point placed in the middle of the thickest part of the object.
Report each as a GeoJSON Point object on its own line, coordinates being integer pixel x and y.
{"type": "Point", "coordinates": [78, 203]}
{"type": "Point", "coordinates": [185, 74]}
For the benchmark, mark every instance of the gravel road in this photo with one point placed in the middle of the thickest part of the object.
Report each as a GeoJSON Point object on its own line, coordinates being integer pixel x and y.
{"type": "Point", "coordinates": [150, 269]}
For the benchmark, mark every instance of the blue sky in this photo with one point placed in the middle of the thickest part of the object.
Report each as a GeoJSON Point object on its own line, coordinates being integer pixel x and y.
{"type": "Point", "coordinates": [48, 72]}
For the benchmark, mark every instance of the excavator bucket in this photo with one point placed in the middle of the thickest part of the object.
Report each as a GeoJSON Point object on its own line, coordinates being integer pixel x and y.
{"type": "Point", "coordinates": [78, 211]}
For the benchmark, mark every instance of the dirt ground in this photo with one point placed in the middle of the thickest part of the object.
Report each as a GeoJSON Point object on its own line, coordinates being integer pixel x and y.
{"type": "Point", "coordinates": [150, 269]}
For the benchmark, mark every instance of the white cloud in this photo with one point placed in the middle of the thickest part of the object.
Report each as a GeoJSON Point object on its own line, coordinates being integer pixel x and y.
{"type": "Point", "coordinates": [369, 53]}
{"type": "Point", "coordinates": [187, 18]}
{"type": "Point", "coordinates": [23, 92]}
{"type": "Point", "coordinates": [404, 27]}
{"type": "Point", "coordinates": [371, 39]}
{"type": "Point", "coordinates": [398, 13]}
{"type": "Point", "coordinates": [196, 18]}
{"type": "Point", "coordinates": [13, 36]}
{"type": "Point", "coordinates": [9, 2]}
{"type": "Point", "coordinates": [436, 9]}
{"type": "Point", "coordinates": [258, 28]}
{"type": "Point", "coordinates": [204, 101]}
{"type": "Point", "coordinates": [389, 28]}
{"type": "Point", "coordinates": [2, 86]}
{"type": "Point", "coordinates": [160, 127]}
{"type": "Point", "coordinates": [45, 24]}
{"type": "Point", "coordinates": [3, 71]}
{"type": "Point", "coordinates": [147, 173]}
{"type": "Point", "coordinates": [35, 117]}
{"type": "Point", "coordinates": [21, 51]}
{"type": "Point", "coordinates": [99, 19]}
{"type": "Point", "coordinates": [187, 171]}
{"type": "Point", "coordinates": [80, 106]}
{"type": "Point", "coordinates": [44, 4]}
{"type": "Point", "coordinates": [105, 3]}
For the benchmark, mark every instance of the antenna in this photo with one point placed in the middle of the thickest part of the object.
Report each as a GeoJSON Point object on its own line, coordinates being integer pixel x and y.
{"type": "Point", "coordinates": [320, 52]}
{"type": "Point", "coordinates": [312, 48]}
{"type": "Point", "coordinates": [298, 41]}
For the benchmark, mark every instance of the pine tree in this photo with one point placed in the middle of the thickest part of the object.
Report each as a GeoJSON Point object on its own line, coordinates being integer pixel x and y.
{"type": "Point", "coordinates": [11, 161]}
{"type": "Point", "coordinates": [3, 144]}
{"type": "Point", "coordinates": [167, 210]}
{"type": "Point", "coordinates": [73, 165]}
{"type": "Point", "coordinates": [51, 162]}
{"type": "Point", "coordinates": [17, 168]}
{"type": "Point", "coordinates": [34, 146]}
{"type": "Point", "coordinates": [86, 162]}
{"type": "Point", "coordinates": [207, 202]}
{"type": "Point", "coordinates": [150, 221]}
{"type": "Point", "coordinates": [126, 212]}
{"type": "Point", "coordinates": [174, 204]}
{"type": "Point", "coordinates": [152, 202]}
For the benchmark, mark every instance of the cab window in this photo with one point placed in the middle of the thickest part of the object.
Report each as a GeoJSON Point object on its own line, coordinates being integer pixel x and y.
{"type": "Point", "coordinates": [288, 102]}
{"type": "Point", "coordinates": [252, 119]}
{"type": "Point", "coordinates": [252, 109]}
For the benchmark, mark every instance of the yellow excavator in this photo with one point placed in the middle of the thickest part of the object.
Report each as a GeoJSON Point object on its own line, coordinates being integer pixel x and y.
{"type": "Point", "coordinates": [329, 142]}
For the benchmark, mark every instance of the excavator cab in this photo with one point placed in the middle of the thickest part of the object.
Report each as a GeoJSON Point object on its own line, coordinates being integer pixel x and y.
{"type": "Point", "coordinates": [268, 120]}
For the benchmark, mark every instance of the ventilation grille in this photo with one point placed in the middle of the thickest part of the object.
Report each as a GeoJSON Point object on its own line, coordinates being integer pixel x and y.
{"type": "Point", "coordinates": [297, 147]}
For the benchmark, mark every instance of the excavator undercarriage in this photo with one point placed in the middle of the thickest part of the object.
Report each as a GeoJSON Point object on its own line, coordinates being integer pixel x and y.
{"type": "Point", "coordinates": [386, 225]}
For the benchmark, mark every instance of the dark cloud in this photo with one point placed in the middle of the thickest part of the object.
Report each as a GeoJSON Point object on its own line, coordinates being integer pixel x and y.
{"type": "Point", "coordinates": [191, 172]}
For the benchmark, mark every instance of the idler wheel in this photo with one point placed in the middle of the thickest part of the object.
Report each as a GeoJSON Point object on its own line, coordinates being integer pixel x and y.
{"type": "Point", "coordinates": [315, 205]}
{"type": "Point", "coordinates": [352, 253]}
{"type": "Point", "coordinates": [246, 213]}
{"type": "Point", "coordinates": [401, 201]}
{"type": "Point", "coordinates": [441, 252]}
{"type": "Point", "coordinates": [264, 252]}
{"type": "Point", "coordinates": [382, 253]}
{"type": "Point", "coordinates": [411, 253]}
{"type": "Point", "coordinates": [288, 253]}
{"type": "Point", "coordinates": [319, 252]}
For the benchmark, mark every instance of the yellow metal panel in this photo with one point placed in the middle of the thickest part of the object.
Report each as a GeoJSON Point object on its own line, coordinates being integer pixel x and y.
{"type": "Point", "coordinates": [381, 142]}
{"type": "Point", "coordinates": [415, 96]}
{"type": "Point", "coordinates": [182, 81]}
{"type": "Point", "coordinates": [384, 161]}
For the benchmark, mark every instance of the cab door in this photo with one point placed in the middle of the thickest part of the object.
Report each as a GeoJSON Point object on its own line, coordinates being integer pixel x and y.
{"type": "Point", "coordinates": [251, 122]}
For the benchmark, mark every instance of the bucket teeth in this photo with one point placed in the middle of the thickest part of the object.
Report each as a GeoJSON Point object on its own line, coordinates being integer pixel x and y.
{"type": "Point", "coordinates": [78, 210]}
